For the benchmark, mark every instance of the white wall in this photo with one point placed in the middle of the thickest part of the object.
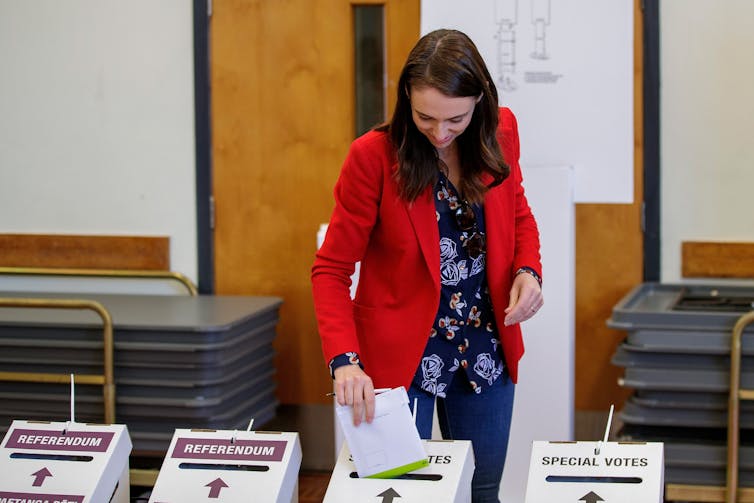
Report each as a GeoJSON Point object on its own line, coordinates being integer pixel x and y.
{"type": "Point", "coordinates": [97, 120]}
{"type": "Point", "coordinates": [707, 125]}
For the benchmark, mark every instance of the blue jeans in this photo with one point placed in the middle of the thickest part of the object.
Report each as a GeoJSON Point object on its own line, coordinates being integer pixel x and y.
{"type": "Point", "coordinates": [485, 419]}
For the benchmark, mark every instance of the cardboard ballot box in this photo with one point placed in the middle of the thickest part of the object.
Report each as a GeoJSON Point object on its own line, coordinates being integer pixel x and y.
{"type": "Point", "coordinates": [59, 462]}
{"type": "Point", "coordinates": [229, 466]}
{"type": "Point", "coordinates": [447, 479]}
{"type": "Point", "coordinates": [591, 472]}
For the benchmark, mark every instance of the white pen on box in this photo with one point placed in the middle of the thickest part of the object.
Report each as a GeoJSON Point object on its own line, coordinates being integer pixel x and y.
{"type": "Point", "coordinates": [376, 391]}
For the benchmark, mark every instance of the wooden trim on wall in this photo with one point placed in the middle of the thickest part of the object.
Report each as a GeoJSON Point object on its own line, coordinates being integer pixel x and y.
{"type": "Point", "coordinates": [717, 260]}
{"type": "Point", "coordinates": [85, 252]}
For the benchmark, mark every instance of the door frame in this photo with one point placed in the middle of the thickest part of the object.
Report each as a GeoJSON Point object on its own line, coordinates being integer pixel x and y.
{"type": "Point", "coordinates": [651, 85]}
{"type": "Point", "coordinates": [202, 127]}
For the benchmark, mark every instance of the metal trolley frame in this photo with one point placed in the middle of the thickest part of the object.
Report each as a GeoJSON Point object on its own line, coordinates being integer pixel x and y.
{"type": "Point", "coordinates": [140, 477]}
{"type": "Point", "coordinates": [731, 493]}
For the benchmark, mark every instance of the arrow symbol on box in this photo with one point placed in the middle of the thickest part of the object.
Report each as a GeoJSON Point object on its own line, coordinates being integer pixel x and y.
{"type": "Point", "coordinates": [215, 487]}
{"type": "Point", "coordinates": [591, 497]}
{"type": "Point", "coordinates": [388, 495]}
{"type": "Point", "coordinates": [40, 476]}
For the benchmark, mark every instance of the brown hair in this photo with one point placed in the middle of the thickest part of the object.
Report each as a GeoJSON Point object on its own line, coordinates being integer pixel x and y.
{"type": "Point", "coordinates": [447, 60]}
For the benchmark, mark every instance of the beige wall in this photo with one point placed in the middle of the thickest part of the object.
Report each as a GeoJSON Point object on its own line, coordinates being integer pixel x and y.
{"type": "Point", "coordinates": [707, 119]}
{"type": "Point", "coordinates": [97, 120]}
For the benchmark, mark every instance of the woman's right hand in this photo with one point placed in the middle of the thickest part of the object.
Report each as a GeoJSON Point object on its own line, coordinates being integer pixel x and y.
{"type": "Point", "coordinates": [354, 387]}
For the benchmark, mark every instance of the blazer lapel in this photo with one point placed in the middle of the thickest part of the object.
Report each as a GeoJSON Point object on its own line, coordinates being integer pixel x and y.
{"type": "Point", "coordinates": [423, 218]}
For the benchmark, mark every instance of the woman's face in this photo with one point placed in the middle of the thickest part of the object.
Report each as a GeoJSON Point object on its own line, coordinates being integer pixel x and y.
{"type": "Point", "coordinates": [439, 117]}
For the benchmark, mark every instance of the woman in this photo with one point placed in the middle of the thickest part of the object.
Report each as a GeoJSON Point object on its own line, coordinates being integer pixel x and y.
{"type": "Point", "coordinates": [432, 205]}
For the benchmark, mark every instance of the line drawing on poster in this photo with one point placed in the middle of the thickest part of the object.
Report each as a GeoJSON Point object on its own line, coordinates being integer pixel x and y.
{"type": "Point", "coordinates": [506, 19]}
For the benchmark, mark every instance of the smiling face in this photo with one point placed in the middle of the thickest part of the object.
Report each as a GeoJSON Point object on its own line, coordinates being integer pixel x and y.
{"type": "Point", "coordinates": [439, 117]}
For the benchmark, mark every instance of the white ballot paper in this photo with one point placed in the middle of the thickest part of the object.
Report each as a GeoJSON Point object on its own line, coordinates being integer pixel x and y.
{"type": "Point", "coordinates": [390, 445]}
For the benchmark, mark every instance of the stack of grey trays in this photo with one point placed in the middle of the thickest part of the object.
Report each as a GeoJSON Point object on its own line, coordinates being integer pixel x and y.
{"type": "Point", "coordinates": [676, 357]}
{"type": "Point", "coordinates": [180, 362]}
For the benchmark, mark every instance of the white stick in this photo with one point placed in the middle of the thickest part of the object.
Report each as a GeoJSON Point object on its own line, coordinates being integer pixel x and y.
{"type": "Point", "coordinates": [607, 431]}
{"type": "Point", "coordinates": [609, 422]}
{"type": "Point", "coordinates": [248, 428]}
{"type": "Point", "coordinates": [73, 400]}
{"type": "Point", "coordinates": [413, 413]}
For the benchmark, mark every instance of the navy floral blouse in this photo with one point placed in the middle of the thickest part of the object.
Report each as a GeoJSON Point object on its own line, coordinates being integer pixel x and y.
{"type": "Point", "coordinates": [464, 335]}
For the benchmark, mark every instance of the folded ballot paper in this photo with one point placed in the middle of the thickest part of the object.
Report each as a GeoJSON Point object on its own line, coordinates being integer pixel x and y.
{"type": "Point", "coordinates": [390, 445]}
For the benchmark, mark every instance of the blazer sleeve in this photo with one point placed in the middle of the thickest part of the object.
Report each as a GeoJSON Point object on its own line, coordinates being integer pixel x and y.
{"type": "Point", "coordinates": [357, 197]}
{"type": "Point", "coordinates": [527, 234]}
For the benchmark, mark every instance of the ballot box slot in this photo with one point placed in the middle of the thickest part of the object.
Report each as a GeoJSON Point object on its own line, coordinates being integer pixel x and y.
{"type": "Point", "coordinates": [227, 467]}
{"type": "Point", "coordinates": [51, 457]}
{"type": "Point", "coordinates": [599, 480]}
{"type": "Point", "coordinates": [409, 476]}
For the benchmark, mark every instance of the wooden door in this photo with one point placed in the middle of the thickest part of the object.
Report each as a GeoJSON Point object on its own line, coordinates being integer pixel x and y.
{"type": "Point", "coordinates": [282, 79]}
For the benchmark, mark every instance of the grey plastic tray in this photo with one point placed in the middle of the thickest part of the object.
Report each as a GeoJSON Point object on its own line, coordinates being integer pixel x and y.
{"type": "Point", "coordinates": [650, 306]}
{"type": "Point", "coordinates": [686, 400]}
{"type": "Point", "coordinates": [90, 406]}
{"type": "Point", "coordinates": [628, 355]}
{"type": "Point", "coordinates": [240, 406]}
{"type": "Point", "coordinates": [183, 390]}
{"type": "Point", "coordinates": [698, 461]}
{"type": "Point", "coordinates": [705, 476]}
{"type": "Point", "coordinates": [708, 381]}
{"type": "Point", "coordinates": [706, 455]}
{"type": "Point", "coordinates": [686, 341]}
{"type": "Point", "coordinates": [156, 329]}
{"type": "Point", "coordinates": [190, 320]}
{"type": "Point", "coordinates": [151, 443]}
{"type": "Point", "coordinates": [256, 354]}
{"type": "Point", "coordinates": [636, 413]}
{"type": "Point", "coordinates": [35, 349]}
{"type": "Point", "coordinates": [241, 410]}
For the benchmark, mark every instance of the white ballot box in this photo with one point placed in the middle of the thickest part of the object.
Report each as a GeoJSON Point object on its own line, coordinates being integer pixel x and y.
{"type": "Point", "coordinates": [229, 466]}
{"type": "Point", "coordinates": [65, 462]}
{"type": "Point", "coordinates": [591, 472]}
{"type": "Point", "coordinates": [447, 479]}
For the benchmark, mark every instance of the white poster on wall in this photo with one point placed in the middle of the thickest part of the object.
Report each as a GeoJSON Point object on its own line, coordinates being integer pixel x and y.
{"type": "Point", "coordinates": [565, 68]}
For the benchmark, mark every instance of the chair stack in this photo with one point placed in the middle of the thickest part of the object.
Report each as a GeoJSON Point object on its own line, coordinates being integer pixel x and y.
{"type": "Point", "coordinates": [676, 357]}
{"type": "Point", "coordinates": [180, 362]}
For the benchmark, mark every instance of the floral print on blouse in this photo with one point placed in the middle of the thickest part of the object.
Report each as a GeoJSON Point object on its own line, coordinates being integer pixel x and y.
{"type": "Point", "coordinates": [464, 335]}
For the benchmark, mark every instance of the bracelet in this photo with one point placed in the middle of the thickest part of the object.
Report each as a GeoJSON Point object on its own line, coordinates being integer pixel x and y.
{"type": "Point", "coordinates": [531, 271]}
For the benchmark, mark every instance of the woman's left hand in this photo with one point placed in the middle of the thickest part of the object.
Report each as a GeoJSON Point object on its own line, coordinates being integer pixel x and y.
{"type": "Point", "coordinates": [526, 299]}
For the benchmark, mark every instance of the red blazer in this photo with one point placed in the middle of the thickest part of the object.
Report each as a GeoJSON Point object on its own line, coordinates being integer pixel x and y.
{"type": "Point", "coordinates": [389, 321]}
